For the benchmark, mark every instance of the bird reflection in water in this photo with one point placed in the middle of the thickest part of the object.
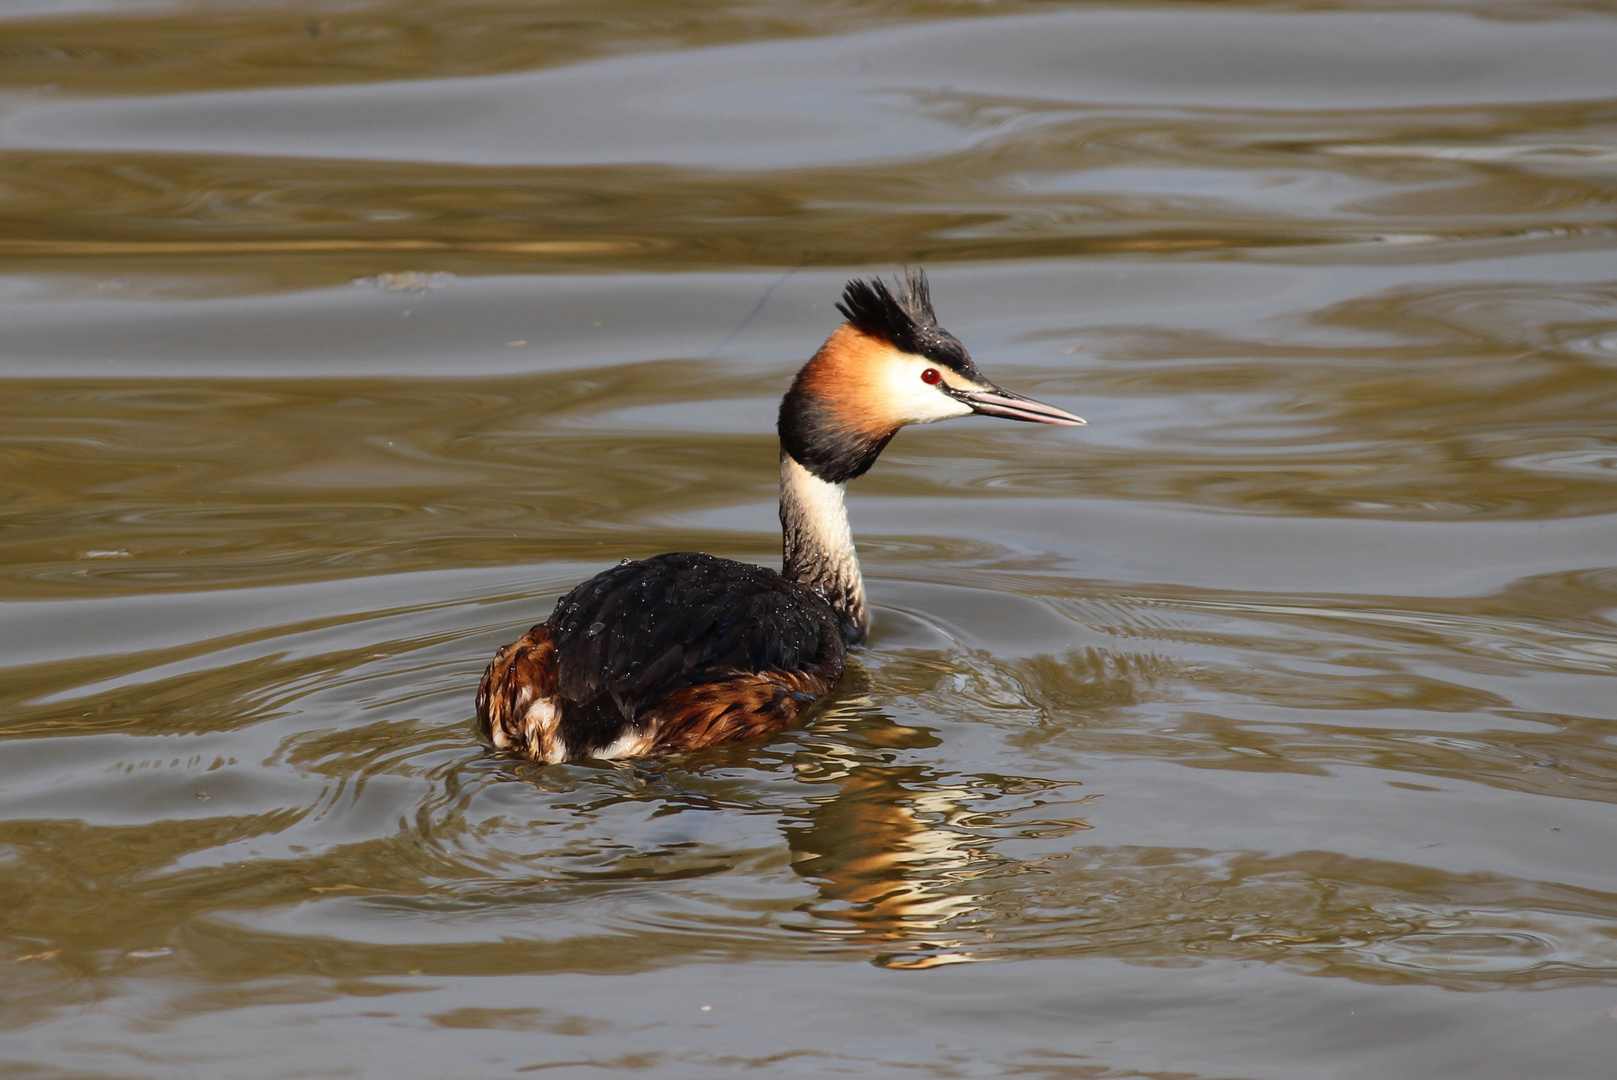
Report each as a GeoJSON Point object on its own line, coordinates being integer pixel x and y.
{"type": "Point", "coordinates": [898, 852]}
{"type": "Point", "coordinates": [905, 859]}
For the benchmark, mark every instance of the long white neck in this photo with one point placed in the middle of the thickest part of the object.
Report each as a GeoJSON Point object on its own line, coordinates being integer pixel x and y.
{"type": "Point", "coordinates": [818, 546]}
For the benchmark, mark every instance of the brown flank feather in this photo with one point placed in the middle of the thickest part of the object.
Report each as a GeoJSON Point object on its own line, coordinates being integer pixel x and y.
{"type": "Point", "coordinates": [745, 707]}
{"type": "Point", "coordinates": [521, 674]}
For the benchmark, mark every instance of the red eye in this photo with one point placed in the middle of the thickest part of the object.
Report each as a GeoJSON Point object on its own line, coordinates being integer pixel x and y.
{"type": "Point", "coordinates": [931, 377]}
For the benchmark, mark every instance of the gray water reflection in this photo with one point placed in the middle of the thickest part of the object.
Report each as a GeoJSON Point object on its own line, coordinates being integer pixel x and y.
{"type": "Point", "coordinates": [1261, 729]}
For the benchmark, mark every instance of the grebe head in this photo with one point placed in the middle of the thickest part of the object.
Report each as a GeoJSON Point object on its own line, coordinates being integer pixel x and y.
{"type": "Point", "coordinates": [889, 365]}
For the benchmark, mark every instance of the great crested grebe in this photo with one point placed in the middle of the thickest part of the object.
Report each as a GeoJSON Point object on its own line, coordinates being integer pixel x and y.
{"type": "Point", "coordinates": [686, 650]}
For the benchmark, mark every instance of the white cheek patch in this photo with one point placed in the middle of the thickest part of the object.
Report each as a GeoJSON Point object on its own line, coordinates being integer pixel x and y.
{"type": "Point", "coordinates": [913, 400]}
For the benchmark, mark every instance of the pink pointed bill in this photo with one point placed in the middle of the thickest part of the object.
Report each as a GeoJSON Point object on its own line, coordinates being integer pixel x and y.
{"type": "Point", "coordinates": [1003, 403]}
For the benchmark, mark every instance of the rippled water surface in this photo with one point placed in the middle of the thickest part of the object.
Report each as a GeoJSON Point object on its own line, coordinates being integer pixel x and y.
{"type": "Point", "coordinates": [1262, 729]}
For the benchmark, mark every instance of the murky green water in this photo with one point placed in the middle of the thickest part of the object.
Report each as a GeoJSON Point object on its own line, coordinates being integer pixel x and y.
{"type": "Point", "coordinates": [1262, 729]}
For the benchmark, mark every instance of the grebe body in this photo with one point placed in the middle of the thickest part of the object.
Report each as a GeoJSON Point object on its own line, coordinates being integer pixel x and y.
{"type": "Point", "coordinates": [685, 650]}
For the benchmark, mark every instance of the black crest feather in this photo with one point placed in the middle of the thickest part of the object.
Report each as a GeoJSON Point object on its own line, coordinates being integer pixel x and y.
{"type": "Point", "coordinates": [904, 317]}
{"type": "Point", "coordinates": [899, 317]}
